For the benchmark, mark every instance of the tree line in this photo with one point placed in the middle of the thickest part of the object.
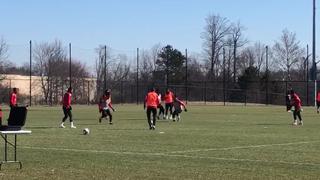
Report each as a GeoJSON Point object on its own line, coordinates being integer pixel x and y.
{"type": "Point", "coordinates": [227, 55]}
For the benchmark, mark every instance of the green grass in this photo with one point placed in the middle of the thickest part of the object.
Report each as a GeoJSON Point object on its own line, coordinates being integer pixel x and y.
{"type": "Point", "coordinates": [211, 142]}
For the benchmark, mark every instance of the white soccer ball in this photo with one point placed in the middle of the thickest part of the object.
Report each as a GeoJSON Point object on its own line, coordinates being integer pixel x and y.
{"type": "Point", "coordinates": [86, 131]}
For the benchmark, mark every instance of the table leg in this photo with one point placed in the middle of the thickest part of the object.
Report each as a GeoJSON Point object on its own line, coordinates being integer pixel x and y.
{"type": "Point", "coordinates": [6, 151]}
{"type": "Point", "coordinates": [15, 147]}
{"type": "Point", "coordinates": [5, 147]}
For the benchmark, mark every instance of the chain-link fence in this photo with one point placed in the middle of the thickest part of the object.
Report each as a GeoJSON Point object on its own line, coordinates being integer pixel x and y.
{"type": "Point", "coordinates": [87, 91]}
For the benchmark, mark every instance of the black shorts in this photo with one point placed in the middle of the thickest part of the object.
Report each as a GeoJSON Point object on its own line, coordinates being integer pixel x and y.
{"type": "Point", "coordinates": [106, 112]}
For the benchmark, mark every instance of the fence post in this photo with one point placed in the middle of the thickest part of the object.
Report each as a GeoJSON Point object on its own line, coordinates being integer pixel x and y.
{"type": "Point", "coordinates": [267, 74]}
{"type": "Point", "coordinates": [224, 76]}
{"type": "Point", "coordinates": [186, 79]}
{"type": "Point", "coordinates": [307, 92]}
{"type": "Point", "coordinates": [224, 92]}
{"type": "Point", "coordinates": [132, 92]}
{"type": "Point", "coordinates": [267, 93]}
{"type": "Point", "coordinates": [30, 73]}
{"type": "Point", "coordinates": [88, 101]}
{"type": "Point", "coordinates": [137, 76]}
{"type": "Point", "coordinates": [245, 96]}
{"type": "Point", "coordinates": [205, 92]}
{"type": "Point", "coordinates": [121, 92]}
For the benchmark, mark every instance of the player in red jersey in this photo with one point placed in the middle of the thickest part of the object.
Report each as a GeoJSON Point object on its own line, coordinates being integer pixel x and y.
{"type": "Point", "coordinates": [296, 103]}
{"type": "Point", "coordinates": [318, 101]}
{"type": "Point", "coordinates": [168, 99]}
{"type": "Point", "coordinates": [151, 102]}
{"type": "Point", "coordinates": [178, 107]}
{"type": "Point", "coordinates": [67, 108]}
{"type": "Point", "coordinates": [105, 105]}
{"type": "Point", "coordinates": [13, 97]}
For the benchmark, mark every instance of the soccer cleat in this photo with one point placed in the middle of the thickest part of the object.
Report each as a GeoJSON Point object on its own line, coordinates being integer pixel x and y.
{"type": "Point", "coordinates": [178, 117]}
{"type": "Point", "coordinates": [295, 123]}
{"type": "Point", "coordinates": [100, 120]}
{"type": "Point", "coordinates": [301, 123]}
{"type": "Point", "coordinates": [153, 127]}
{"type": "Point", "coordinates": [62, 125]}
{"type": "Point", "coordinates": [318, 111]}
{"type": "Point", "coordinates": [110, 123]}
{"type": "Point", "coordinates": [72, 126]}
{"type": "Point", "coordinates": [170, 117]}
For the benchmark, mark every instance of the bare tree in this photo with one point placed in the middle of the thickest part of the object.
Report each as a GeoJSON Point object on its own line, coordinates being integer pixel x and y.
{"type": "Point", "coordinates": [46, 55]}
{"type": "Point", "coordinates": [238, 41]}
{"type": "Point", "coordinates": [229, 56]}
{"type": "Point", "coordinates": [116, 68]}
{"type": "Point", "coordinates": [148, 60]}
{"type": "Point", "coordinates": [246, 59]}
{"type": "Point", "coordinates": [120, 69]}
{"type": "Point", "coordinates": [51, 64]}
{"type": "Point", "coordinates": [195, 71]}
{"type": "Point", "coordinates": [104, 54]}
{"type": "Point", "coordinates": [154, 51]}
{"type": "Point", "coordinates": [260, 55]}
{"type": "Point", "coordinates": [216, 29]}
{"type": "Point", "coordinates": [287, 52]}
{"type": "Point", "coordinates": [252, 56]}
{"type": "Point", "coordinates": [147, 66]}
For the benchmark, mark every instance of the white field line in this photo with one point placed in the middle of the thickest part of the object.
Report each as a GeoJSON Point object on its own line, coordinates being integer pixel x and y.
{"type": "Point", "coordinates": [177, 155]}
{"type": "Point", "coordinates": [242, 147]}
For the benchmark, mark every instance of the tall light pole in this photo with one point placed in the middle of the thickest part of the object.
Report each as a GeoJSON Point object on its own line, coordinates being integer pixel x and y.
{"type": "Point", "coordinates": [30, 71]}
{"type": "Point", "coordinates": [137, 76]}
{"type": "Point", "coordinates": [186, 79]}
{"type": "Point", "coordinates": [105, 68]}
{"type": "Point", "coordinates": [69, 64]}
{"type": "Point", "coordinates": [267, 74]}
{"type": "Point", "coordinates": [306, 62]}
{"type": "Point", "coordinates": [314, 64]}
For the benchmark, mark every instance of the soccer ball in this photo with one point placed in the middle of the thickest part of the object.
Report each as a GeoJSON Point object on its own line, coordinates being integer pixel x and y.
{"type": "Point", "coordinates": [86, 131]}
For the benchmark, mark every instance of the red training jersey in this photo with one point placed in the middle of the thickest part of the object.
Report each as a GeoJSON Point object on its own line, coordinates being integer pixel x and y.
{"type": "Point", "coordinates": [178, 104]}
{"type": "Point", "coordinates": [67, 100]}
{"type": "Point", "coordinates": [13, 99]}
{"type": "Point", "coordinates": [105, 102]}
{"type": "Point", "coordinates": [296, 101]}
{"type": "Point", "coordinates": [152, 100]}
{"type": "Point", "coordinates": [168, 97]}
{"type": "Point", "coordinates": [318, 96]}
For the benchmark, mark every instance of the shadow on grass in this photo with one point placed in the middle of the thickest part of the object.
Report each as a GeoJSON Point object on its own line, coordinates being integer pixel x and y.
{"type": "Point", "coordinates": [132, 119]}
{"type": "Point", "coordinates": [42, 127]}
{"type": "Point", "coordinates": [271, 124]}
{"type": "Point", "coordinates": [127, 129]}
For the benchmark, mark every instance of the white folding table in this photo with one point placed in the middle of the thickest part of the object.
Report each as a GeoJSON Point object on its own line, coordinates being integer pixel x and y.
{"type": "Point", "coordinates": [4, 135]}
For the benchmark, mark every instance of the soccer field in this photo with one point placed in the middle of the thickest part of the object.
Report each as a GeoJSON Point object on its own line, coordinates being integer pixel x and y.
{"type": "Point", "coordinates": [211, 142]}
